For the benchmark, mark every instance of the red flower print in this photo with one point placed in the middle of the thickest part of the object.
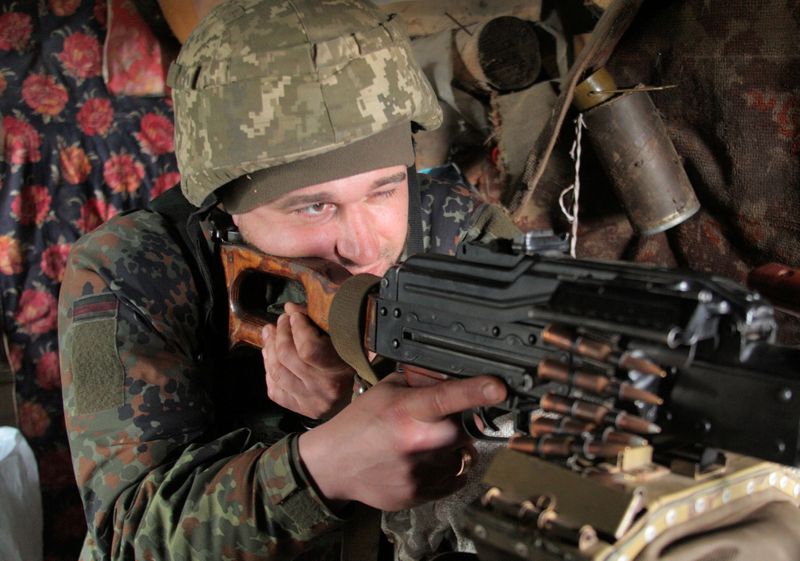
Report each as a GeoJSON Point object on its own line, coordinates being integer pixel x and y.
{"type": "Point", "coordinates": [48, 375]}
{"type": "Point", "coordinates": [22, 141]}
{"type": "Point", "coordinates": [163, 182]}
{"type": "Point", "coordinates": [93, 213]}
{"type": "Point", "coordinates": [75, 166]}
{"type": "Point", "coordinates": [32, 205]}
{"type": "Point", "coordinates": [63, 8]}
{"type": "Point", "coordinates": [95, 116]}
{"type": "Point", "coordinates": [15, 357]}
{"type": "Point", "coordinates": [81, 56]}
{"type": "Point", "coordinates": [100, 12]}
{"type": "Point", "coordinates": [123, 173]}
{"type": "Point", "coordinates": [37, 311]}
{"type": "Point", "coordinates": [33, 419]}
{"type": "Point", "coordinates": [155, 136]}
{"type": "Point", "coordinates": [54, 260]}
{"type": "Point", "coordinates": [43, 94]}
{"type": "Point", "coordinates": [10, 256]}
{"type": "Point", "coordinates": [15, 31]}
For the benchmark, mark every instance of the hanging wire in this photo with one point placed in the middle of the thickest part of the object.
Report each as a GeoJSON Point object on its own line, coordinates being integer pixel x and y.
{"type": "Point", "coordinates": [575, 188]}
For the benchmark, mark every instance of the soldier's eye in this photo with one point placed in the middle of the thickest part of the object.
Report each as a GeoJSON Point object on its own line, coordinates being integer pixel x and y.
{"type": "Point", "coordinates": [385, 194]}
{"type": "Point", "coordinates": [314, 210]}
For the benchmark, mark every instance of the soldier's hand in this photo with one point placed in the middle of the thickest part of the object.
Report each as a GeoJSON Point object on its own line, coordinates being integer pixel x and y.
{"type": "Point", "coordinates": [397, 446]}
{"type": "Point", "coordinates": [303, 371]}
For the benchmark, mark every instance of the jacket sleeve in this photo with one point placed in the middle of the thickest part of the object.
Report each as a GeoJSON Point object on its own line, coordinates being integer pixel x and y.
{"type": "Point", "coordinates": [490, 222]}
{"type": "Point", "coordinates": [453, 212]}
{"type": "Point", "coordinates": [156, 481]}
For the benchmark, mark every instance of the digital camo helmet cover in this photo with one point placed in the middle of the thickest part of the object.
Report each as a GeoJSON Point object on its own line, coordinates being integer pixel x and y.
{"type": "Point", "coordinates": [261, 83]}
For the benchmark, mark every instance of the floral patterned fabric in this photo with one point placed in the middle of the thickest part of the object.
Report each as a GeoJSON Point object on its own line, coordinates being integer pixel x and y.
{"type": "Point", "coordinates": [135, 62]}
{"type": "Point", "coordinates": [72, 156]}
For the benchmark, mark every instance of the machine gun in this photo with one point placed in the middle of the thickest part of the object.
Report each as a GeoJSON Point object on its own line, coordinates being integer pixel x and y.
{"type": "Point", "coordinates": [631, 387]}
{"type": "Point", "coordinates": [568, 336]}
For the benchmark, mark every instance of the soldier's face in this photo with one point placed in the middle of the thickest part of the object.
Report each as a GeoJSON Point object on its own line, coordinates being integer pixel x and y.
{"type": "Point", "coordinates": [359, 222]}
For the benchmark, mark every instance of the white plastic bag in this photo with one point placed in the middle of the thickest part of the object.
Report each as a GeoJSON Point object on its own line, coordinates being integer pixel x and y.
{"type": "Point", "coordinates": [20, 499]}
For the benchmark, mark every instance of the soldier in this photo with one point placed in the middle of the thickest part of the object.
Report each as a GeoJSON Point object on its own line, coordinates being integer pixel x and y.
{"type": "Point", "coordinates": [293, 125]}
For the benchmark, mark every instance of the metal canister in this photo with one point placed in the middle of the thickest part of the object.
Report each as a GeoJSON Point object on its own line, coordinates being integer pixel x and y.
{"type": "Point", "coordinates": [636, 152]}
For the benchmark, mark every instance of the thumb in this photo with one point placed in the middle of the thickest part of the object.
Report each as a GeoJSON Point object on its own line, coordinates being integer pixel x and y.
{"type": "Point", "coordinates": [433, 403]}
{"type": "Point", "coordinates": [291, 307]}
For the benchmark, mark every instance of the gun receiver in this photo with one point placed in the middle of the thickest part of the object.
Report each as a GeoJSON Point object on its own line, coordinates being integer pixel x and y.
{"type": "Point", "coordinates": [616, 347]}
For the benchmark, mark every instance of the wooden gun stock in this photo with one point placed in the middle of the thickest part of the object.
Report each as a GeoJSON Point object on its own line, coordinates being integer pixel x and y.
{"type": "Point", "coordinates": [779, 283]}
{"type": "Point", "coordinates": [320, 279]}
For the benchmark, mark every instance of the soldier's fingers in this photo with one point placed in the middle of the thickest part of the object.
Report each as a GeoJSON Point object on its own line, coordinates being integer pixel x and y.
{"type": "Point", "coordinates": [313, 346]}
{"type": "Point", "coordinates": [292, 308]}
{"type": "Point", "coordinates": [267, 341]}
{"type": "Point", "coordinates": [445, 472]}
{"type": "Point", "coordinates": [436, 402]}
{"type": "Point", "coordinates": [279, 373]}
{"type": "Point", "coordinates": [446, 487]}
{"type": "Point", "coordinates": [268, 333]}
{"type": "Point", "coordinates": [286, 354]}
{"type": "Point", "coordinates": [285, 349]}
{"type": "Point", "coordinates": [454, 463]}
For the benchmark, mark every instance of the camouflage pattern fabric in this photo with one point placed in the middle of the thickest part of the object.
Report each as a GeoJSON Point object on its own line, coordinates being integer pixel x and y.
{"type": "Point", "coordinates": [259, 84]}
{"type": "Point", "coordinates": [155, 479]}
{"type": "Point", "coordinates": [161, 476]}
{"type": "Point", "coordinates": [453, 212]}
{"type": "Point", "coordinates": [72, 154]}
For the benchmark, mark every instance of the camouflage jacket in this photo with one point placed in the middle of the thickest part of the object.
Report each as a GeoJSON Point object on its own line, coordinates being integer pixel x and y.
{"type": "Point", "coordinates": [162, 472]}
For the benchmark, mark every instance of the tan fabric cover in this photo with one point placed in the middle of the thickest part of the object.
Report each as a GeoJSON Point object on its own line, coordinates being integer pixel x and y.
{"type": "Point", "coordinates": [765, 528]}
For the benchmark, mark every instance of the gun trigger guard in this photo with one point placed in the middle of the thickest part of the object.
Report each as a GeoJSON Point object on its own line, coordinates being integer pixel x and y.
{"type": "Point", "coordinates": [474, 431]}
{"type": "Point", "coordinates": [488, 421]}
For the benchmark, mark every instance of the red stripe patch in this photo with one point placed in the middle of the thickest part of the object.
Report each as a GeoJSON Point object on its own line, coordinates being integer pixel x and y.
{"type": "Point", "coordinates": [95, 305]}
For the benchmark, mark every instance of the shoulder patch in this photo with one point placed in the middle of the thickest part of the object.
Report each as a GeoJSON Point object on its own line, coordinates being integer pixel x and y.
{"type": "Point", "coordinates": [97, 372]}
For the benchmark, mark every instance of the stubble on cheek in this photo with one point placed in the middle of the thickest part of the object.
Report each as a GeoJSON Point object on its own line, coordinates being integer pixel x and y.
{"type": "Point", "coordinates": [388, 259]}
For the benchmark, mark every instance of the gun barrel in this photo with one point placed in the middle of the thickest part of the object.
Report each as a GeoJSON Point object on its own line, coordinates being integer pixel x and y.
{"type": "Point", "coordinates": [493, 311]}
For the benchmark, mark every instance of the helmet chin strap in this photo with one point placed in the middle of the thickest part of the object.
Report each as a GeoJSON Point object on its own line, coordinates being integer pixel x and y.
{"type": "Point", "coordinates": [414, 237]}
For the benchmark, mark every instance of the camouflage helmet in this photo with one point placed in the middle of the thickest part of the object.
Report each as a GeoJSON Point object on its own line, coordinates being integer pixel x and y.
{"type": "Point", "coordinates": [264, 83]}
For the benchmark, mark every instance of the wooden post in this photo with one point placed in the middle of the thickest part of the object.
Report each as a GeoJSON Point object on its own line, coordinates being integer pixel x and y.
{"type": "Point", "coordinates": [500, 54]}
